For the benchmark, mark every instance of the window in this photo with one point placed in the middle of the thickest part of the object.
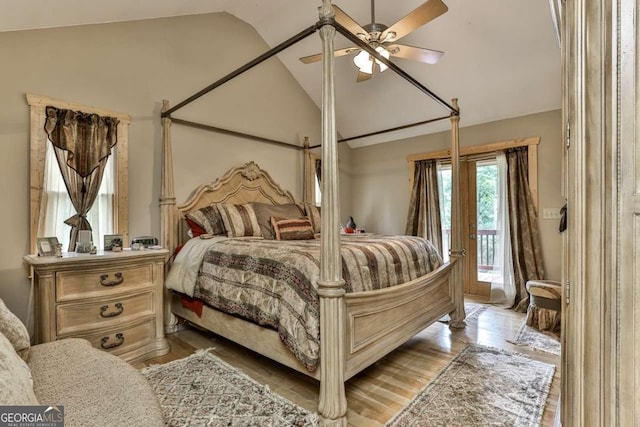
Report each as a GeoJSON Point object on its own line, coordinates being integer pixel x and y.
{"type": "Point", "coordinates": [50, 205]}
{"type": "Point", "coordinates": [312, 189]}
{"type": "Point", "coordinates": [56, 203]}
{"type": "Point", "coordinates": [317, 193]}
{"type": "Point", "coordinates": [444, 191]}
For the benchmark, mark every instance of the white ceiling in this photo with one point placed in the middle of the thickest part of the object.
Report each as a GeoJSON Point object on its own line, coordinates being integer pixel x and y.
{"type": "Point", "coordinates": [501, 57]}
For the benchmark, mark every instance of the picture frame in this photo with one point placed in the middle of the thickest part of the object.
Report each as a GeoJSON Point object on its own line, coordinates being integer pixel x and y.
{"type": "Point", "coordinates": [47, 246]}
{"type": "Point", "coordinates": [111, 240]}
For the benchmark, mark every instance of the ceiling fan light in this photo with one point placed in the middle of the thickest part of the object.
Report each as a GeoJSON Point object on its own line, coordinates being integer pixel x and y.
{"type": "Point", "coordinates": [385, 53]}
{"type": "Point", "coordinates": [363, 62]}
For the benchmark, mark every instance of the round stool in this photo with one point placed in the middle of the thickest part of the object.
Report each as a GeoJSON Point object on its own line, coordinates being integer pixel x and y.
{"type": "Point", "coordinates": [545, 305]}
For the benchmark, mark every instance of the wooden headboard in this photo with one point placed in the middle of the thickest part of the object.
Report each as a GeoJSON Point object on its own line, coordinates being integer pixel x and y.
{"type": "Point", "coordinates": [242, 184]}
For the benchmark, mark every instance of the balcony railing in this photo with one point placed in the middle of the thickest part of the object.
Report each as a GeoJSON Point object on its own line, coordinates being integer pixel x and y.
{"type": "Point", "coordinates": [486, 249]}
{"type": "Point", "coordinates": [486, 240]}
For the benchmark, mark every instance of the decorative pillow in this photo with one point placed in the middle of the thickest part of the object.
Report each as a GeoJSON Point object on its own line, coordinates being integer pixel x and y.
{"type": "Point", "coordinates": [292, 229]}
{"type": "Point", "coordinates": [239, 220]}
{"type": "Point", "coordinates": [313, 212]}
{"type": "Point", "coordinates": [15, 331]}
{"type": "Point", "coordinates": [16, 384]}
{"type": "Point", "coordinates": [207, 219]}
{"type": "Point", "coordinates": [265, 211]}
{"type": "Point", "coordinates": [195, 229]}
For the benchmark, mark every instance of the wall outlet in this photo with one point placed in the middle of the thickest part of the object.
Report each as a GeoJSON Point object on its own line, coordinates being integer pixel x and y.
{"type": "Point", "coordinates": [551, 213]}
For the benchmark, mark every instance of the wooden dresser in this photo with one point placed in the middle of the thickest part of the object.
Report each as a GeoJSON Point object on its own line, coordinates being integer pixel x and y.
{"type": "Point", "coordinates": [112, 299]}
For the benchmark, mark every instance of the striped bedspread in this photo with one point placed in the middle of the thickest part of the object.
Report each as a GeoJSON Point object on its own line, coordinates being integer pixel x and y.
{"type": "Point", "coordinates": [274, 283]}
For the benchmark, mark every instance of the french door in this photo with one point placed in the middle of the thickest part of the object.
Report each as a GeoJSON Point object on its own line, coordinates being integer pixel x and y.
{"type": "Point", "coordinates": [479, 192]}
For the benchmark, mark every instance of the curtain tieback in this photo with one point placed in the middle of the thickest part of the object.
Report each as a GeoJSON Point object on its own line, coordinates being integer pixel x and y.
{"type": "Point", "coordinates": [77, 220]}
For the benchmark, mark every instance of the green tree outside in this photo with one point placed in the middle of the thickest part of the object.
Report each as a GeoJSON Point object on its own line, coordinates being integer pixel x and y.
{"type": "Point", "coordinates": [486, 199]}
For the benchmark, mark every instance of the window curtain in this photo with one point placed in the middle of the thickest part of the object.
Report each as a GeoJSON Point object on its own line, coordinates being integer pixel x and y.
{"type": "Point", "coordinates": [424, 207]}
{"type": "Point", "coordinates": [82, 144]}
{"type": "Point", "coordinates": [525, 235]}
{"type": "Point", "coordinates": [56, 205]}
{"type": "Point", "coordinates": [503, 288]}
{"type": "Point", "coordinates": [318, 166]}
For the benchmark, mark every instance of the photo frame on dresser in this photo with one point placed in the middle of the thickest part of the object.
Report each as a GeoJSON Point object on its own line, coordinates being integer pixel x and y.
{"type": "Point", "coordinates": [47, 246]}
{"type": "Point", "coordinates": [113, 240]}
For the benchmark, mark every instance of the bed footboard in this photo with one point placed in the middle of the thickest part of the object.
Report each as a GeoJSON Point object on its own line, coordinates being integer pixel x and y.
{"type": "Point", "coordinates": [378, 322]}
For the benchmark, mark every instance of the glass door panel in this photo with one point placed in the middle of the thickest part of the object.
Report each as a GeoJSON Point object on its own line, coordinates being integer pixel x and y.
{"type": "Point", "coordinates": [479, 193]}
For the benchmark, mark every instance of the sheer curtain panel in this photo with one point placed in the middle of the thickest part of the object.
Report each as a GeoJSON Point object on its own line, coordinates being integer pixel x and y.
{"type": "Point", "coordinates": [503, 289]}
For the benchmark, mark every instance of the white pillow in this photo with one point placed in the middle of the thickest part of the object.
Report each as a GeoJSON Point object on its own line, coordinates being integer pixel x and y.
{"type": "Point", "coordinates": [16, 384]}
{"type": "Point", "coordinates": [15, 331]}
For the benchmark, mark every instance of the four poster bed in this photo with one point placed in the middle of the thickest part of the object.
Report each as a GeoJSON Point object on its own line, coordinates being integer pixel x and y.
{"type": "Point", "coordinates": [354, 328]}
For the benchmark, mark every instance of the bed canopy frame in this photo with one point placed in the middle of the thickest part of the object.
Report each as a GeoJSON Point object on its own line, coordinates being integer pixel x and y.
{"type": "Point", "coordinates": [335, 314]}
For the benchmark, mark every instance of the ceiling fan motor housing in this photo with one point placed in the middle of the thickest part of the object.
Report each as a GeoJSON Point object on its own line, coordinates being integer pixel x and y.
{"type": "Point", "coordinates": [375, 30]}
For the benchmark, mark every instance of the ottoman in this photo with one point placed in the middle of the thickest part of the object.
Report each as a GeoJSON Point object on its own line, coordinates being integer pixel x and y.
{"type": "Point", "coordinates": [545, 305]}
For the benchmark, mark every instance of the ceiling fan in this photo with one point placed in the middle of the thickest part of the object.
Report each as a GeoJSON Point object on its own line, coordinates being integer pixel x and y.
{"type": "Point", "coordinates": [383, 39]}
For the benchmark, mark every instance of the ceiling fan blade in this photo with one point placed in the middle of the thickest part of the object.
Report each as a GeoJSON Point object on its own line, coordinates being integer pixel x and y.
{"type": "Point", "coordinates": [338, 52]}
{"type": "Point", "coordinates": [349, 23]}
{"type": "Point", "coordinates": [363, 76]}
{"type": "Point", "coordinates": [428, 56]}
{"type": "Point", "coordinates": [417, 18]}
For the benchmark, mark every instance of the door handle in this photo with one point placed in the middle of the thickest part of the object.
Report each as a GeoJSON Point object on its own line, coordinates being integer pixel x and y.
{"type": "Point", "coordinates": [472, 236]}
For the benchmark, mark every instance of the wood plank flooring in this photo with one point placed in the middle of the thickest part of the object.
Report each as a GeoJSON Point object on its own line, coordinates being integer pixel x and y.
{"type": "Point", "coordinates": [384, 388]}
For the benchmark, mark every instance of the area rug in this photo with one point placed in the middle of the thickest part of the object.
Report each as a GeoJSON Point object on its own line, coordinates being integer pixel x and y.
{"type": "Point", "coordinates": [202, 390]}
{"type": "Point", "coordinates": [481, 386]}
{"type": "Point", "coordinates": [471, 309]}
{"type": "Point", "coordinates": [540, 341]}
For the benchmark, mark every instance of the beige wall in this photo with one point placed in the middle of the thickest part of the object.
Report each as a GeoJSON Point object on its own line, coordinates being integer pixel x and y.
{"type": "Point", "coordinates": [380, 191]}
{"type": "Point", "coordinates": [130, 67]}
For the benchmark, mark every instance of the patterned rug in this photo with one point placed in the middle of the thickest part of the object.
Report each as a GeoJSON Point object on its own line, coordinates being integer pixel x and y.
{"type": "Point", "coordinates": [202, 390]}
{"type": "Point", "coordinates": [481, 386]}
{"type": "Point", "coordinates": [541, 341]}
{"type": "Point", "coordinates": [471, 309]}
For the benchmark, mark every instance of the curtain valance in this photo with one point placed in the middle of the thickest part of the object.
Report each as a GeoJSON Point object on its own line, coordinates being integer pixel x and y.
{"type": "Point", "coordinates": [86, 138]}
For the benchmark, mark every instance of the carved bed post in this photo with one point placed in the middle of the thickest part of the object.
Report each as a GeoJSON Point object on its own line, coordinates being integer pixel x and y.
{"type": "Point", "coordinates": [457, 251]}
{"type": "Point", "coordinates": [168, 224]}
{"type": "Point", "coordinates": [333, 403]}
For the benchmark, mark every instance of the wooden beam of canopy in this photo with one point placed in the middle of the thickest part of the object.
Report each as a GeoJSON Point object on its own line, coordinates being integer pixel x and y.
{"type": "Point", "coordinates": [235, 133]}
{"type": "Point", "coordinates": [380, 132]}
{"type": "Point", "coordinates": [295, 39]}
{"type": "Point", "coordinates": [246, 67]}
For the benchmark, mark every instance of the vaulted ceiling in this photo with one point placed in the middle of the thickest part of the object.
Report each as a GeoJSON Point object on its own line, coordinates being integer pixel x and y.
{"type": "Point", "coordinates": [501, 56]}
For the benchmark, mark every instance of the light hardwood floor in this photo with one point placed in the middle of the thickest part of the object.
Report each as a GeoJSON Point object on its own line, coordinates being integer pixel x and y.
{"type": "Point", "coordinates": [384, 388]}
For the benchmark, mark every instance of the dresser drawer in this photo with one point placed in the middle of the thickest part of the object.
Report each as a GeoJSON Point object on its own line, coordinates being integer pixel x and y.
{"type": "Point", "coordinates": [75, 318]}
{"type": "Point", "coordinates": [123, 340]}
{"type": "Point", "coordinates": [102, 282]}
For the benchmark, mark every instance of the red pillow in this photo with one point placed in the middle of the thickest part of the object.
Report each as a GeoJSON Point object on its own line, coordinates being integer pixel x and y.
{"type": "Point", "coordinates": [196, 229]}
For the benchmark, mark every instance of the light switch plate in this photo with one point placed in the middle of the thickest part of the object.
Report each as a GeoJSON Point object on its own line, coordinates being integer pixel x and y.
{"type": "Point", "coordinates": [551, 213]}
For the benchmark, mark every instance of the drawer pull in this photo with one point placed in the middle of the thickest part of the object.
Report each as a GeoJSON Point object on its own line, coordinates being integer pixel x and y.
{"type": "Point", "coordinates": [118, 343]}
{"type": "Point", "coordinates": [104, 282]}
{"type": "Point", "coordinates": [118, 311]}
